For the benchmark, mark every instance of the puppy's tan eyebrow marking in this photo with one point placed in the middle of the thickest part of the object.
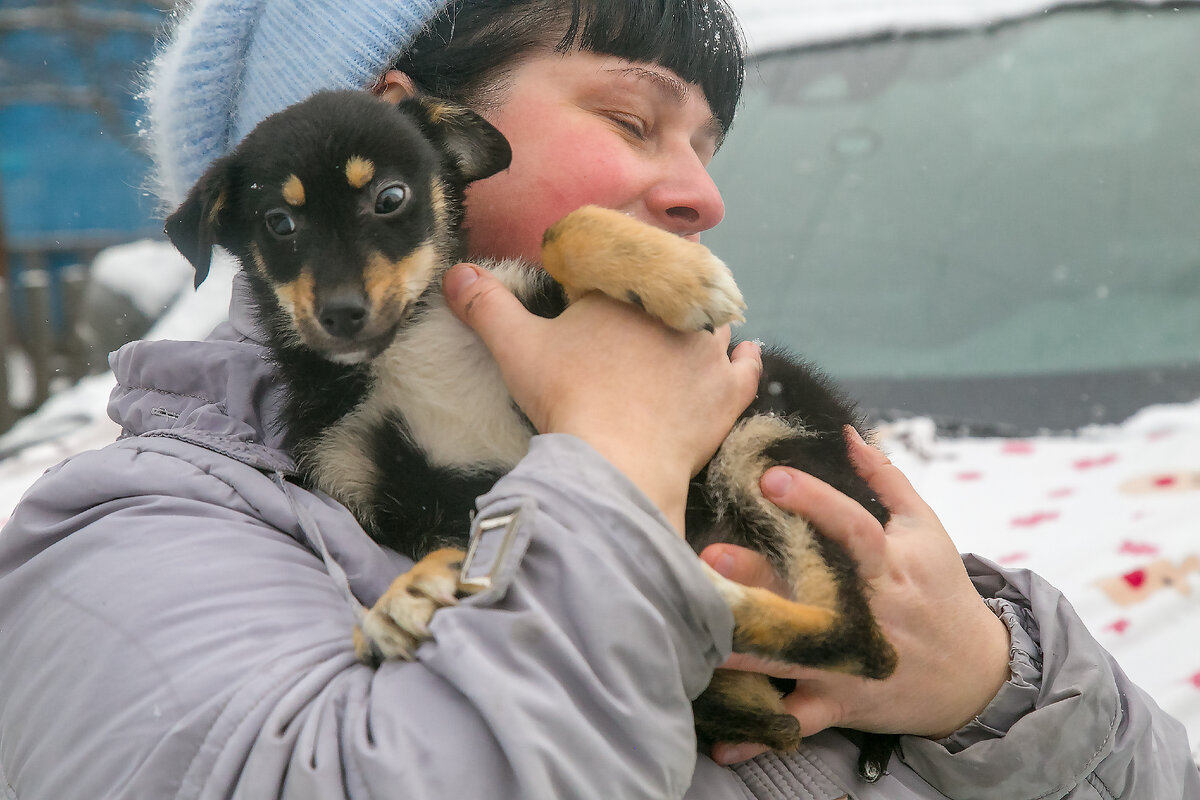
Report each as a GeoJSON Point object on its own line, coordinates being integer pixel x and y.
{"type": "Point", "coordinates": [293, 191]}
{"type": "Point", "coordinates": [359, 171]}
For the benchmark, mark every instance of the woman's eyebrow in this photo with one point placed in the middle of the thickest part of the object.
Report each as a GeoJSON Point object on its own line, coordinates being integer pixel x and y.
{"type": "Point", "coordinates": [675, 91]}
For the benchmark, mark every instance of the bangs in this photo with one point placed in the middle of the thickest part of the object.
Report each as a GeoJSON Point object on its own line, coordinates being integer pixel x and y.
{"type": "Point", "coordinates": [463, 53]}
{"type": "Point", "coordinates": [699, 40]}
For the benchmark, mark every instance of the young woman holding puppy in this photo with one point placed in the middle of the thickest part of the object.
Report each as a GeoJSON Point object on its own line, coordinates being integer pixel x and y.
{"type": "Point", "coordinates": [172, 608]}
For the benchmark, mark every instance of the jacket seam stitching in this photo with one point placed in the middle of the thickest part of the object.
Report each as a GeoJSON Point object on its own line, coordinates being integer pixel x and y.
{"type": "Point", "coordinates": [778, 778]}
{"type": "Point", "coordinates": [1093, 762]}
{"type": "Point", "coordinates": [169, 393]}
{"type": "Point", "coordinates": [823, 771]}
{"type": "Point", "coordinates": [1097, 783]}
{"type": "Point", "coordinates": [10, 793]}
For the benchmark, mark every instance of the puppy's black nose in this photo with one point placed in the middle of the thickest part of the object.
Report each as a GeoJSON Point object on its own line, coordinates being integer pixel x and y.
{"type": "Point", "coordinates": [343, 316]}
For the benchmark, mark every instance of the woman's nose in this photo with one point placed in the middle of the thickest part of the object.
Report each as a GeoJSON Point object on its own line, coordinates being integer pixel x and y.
{"type": "Point", "coordinates": [686, 201]}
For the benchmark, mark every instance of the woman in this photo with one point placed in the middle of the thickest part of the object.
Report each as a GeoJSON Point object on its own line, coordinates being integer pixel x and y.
{"type": "Point", "coordinates": [174, 611]}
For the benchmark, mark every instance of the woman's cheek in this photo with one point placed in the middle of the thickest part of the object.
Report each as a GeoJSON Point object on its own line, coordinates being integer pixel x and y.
{"type": "Point", "coordinates": [550, 177]}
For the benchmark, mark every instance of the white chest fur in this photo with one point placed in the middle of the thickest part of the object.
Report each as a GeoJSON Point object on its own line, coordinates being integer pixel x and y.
{"type": "Point", "coordinates": [440, 378]}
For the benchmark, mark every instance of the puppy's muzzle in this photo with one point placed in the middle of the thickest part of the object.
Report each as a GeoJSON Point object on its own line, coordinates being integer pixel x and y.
{"type": "Point", "coordinates": [347, 328]}
{"type": "Point", "coordinates": [343, 315]}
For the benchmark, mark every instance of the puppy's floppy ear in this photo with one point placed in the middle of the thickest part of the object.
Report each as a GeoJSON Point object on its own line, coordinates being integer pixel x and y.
{"type": "Point", "coordinates": [479, 149]}
{"type": "Point", "coordinates": [194, 226]}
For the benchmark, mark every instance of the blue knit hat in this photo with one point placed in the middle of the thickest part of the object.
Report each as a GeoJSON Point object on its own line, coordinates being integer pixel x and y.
{"type": "Point", "coordinates": [231, 63]}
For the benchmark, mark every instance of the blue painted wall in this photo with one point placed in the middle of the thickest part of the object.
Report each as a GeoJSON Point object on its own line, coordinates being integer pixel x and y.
{"type": "Point", "coordinates": [68, 171]}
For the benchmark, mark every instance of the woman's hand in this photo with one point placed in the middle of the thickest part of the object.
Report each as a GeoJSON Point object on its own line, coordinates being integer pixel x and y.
{"type": "Point", "coordinates": [953, 650]}
{"type": "Point", "coordinates": [655, 402]}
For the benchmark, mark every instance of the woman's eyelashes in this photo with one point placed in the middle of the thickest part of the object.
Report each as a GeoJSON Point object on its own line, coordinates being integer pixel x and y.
{"type": "Point", "coordinates": [632, 124]}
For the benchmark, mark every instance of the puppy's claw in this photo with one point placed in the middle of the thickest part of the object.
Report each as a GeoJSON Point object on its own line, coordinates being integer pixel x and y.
{"type": "Point", "coordinates": [399, 621]}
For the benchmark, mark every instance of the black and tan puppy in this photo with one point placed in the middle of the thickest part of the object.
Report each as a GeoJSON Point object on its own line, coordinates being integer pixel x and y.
{"type": "Point", "coordinates": [344, 212]}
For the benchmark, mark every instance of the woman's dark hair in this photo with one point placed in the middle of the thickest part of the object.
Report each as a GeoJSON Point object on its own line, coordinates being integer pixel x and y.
{"type": "Point", "coordinates": [463, 53]}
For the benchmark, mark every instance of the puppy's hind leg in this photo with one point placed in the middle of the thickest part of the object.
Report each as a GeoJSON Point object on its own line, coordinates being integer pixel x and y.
{"type": "Point", "coordinates": [822, 576]}
{"type": "Point", "coordinates": [744, 707]}
{"type": "Point", "coordinates": [681, 283]}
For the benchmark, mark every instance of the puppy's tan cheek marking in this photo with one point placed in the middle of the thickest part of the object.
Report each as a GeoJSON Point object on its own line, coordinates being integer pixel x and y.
{"type": "Point", "coordinates": [359, 171]}
{"type": "Point", "coordinates": [387, 282]}
{"type": "Point", "coordinates": [293, 191]}
{"type": "Point", "coordinates": [379, 281]}
{"type": "Point", "coordinates": [296, 297]}
{"type": "Point", "coordinates": [256, 256]}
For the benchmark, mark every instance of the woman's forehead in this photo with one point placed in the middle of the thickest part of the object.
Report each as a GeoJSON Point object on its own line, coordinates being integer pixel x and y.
{"type": "Point", "coordinates": [645, 77]}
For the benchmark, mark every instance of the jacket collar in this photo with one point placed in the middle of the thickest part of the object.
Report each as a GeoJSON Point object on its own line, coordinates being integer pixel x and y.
{"type": "Point", "coordinates": [222, 394]}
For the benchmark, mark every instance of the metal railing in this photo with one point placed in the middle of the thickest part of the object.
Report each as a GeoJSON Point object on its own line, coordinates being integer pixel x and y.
{"type": "Point", "coordinates": [52, 352]}
{"type": "Point", "coordinates": [40, 310]}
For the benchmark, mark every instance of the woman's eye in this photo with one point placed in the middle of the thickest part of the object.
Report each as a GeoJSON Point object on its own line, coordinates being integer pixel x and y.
{"type": "Point", "coordinates": [391, 199]}
{"type": "Point", "coordinates": [280, 223]}
{"type": "Point", "coordinates": [631, 124]}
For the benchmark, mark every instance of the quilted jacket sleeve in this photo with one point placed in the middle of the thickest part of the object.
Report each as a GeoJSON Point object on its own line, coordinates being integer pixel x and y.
{"type": "Point", "coordinates": [1070, 723]}
{"type": "Point", "coordinates": [168, 634]}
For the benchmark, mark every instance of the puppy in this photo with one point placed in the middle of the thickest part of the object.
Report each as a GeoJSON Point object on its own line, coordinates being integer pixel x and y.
{"type": "Point", "coordinates": [344, 212]}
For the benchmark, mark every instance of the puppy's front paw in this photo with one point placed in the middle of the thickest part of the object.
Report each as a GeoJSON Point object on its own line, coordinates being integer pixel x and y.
{"type": "Point", "coordinates": [711, 301]}
{"type": "Point", "coordinates": [399, 621]}
{"type": "Point", "coordinates": [680, 282]}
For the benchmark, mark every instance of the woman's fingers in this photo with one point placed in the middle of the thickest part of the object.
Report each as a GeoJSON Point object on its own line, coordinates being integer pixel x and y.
{"type": "Point", "coordinates": [832, 513]}
{"type": "Point", "coordinates": [883, 477]}
{"type": "Point", "coordinates": [489, 308]}
{"type": "Point", "coordinates": [814, 712]}
{"type": "Point", "coordinates": [747, 362]}
{"type": "Point", "coordinates": [725, 753]}
{"type": "Point", "coordinates": [744, 566]}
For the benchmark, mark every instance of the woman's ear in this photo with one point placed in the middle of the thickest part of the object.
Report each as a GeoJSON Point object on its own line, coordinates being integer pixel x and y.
{"type": "Point", "coordinates": [394, 86]}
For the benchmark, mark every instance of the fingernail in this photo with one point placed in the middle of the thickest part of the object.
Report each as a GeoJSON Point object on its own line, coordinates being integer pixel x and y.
{"type": "Point", "coordinates": [458, 279]}
{"type": "Point", "coordinates": [775, 483]}
{"type": "Point", "coordinates": [724, 565]}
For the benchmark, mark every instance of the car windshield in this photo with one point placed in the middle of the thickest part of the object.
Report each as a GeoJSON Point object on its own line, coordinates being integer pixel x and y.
{"type": "Point", "coordinates": [998, 227]}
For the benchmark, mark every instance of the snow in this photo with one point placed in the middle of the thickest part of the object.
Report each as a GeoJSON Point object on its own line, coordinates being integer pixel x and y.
{"type": "Point", "coordinates": [777, 24]}
{"type": "Point", "coordinates": [148, 272]}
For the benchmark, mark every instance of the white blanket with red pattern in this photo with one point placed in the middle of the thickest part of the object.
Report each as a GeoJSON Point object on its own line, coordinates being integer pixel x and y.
{"type": "Point", "coordinates": [1111, 516]}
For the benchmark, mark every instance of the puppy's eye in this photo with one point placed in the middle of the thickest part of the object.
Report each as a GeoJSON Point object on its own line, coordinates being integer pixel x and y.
{"type": "Point", "coordinates": [280, 223]}
{"type": "Point", "coordinates": [391, 199]}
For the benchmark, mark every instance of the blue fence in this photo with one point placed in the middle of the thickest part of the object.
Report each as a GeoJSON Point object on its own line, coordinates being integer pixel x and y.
{"type": "Point", "coordinates": [72, 172]}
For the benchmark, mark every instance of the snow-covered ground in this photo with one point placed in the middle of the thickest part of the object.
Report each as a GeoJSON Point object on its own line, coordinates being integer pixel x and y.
{"type": "Point", "coordinates": [777, 24]}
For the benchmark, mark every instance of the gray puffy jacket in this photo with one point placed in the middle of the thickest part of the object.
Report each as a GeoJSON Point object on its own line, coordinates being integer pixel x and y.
{"type": "Point", "coordinates": [175, 621]}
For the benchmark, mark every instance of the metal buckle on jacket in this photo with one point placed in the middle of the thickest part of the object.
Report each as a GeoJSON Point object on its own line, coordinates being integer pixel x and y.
{"type": "Point", "coordinates": [492, 540]}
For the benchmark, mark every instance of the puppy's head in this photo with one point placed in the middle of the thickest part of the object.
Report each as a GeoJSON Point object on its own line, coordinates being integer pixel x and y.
{"type": "Point", "coordinates": [342, 209]}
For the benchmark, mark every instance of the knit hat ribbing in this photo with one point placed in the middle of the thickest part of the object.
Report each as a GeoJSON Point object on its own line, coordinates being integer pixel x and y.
{"type": "Point", "coordinates": [231, 63]}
